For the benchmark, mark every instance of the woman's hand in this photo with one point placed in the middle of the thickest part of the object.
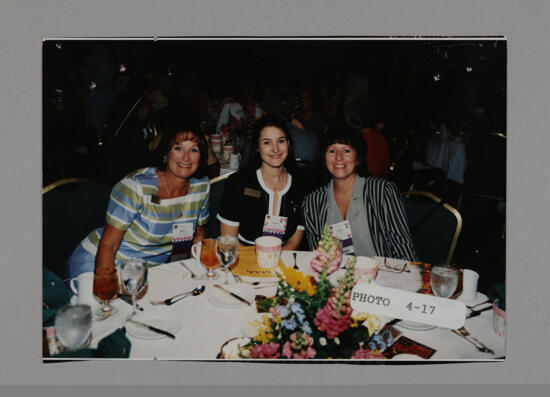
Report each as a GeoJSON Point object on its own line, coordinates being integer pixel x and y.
{"type": "Point", "coordinates": [293, 243]}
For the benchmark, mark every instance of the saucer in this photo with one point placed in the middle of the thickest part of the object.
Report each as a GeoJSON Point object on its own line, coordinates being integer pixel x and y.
{"type": "Point", "coordinates": [479, 298]}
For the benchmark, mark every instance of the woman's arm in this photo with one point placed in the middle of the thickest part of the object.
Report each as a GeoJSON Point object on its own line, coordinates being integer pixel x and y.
{"type": "Point", "coordinates": [293, 243]}
{"type": "Point", "coordinates": [200, 234]}
{"type": "Point", "coordinates": [108, 247]}
{"type": "Point", "coordinates": [230, 230]}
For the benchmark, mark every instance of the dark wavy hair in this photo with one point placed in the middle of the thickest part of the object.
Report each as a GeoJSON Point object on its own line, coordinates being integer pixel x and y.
{"type": "Point", "coordinates": [344, 134]}
{"type": "Point", "coordinates": [191, 132]}
{"type": "Point", "coordinates": [270, 120]}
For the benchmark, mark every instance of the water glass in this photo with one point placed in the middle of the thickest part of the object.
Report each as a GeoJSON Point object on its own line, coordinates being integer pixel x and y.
{"type": "Point", "coordinates": [227, 250]}
{"type": "Point", "coordinates": [133, 278]}
{"type": "Point", "coordinates": [444, 280]}
{"type": "Point", "coordinates": [73, 325]}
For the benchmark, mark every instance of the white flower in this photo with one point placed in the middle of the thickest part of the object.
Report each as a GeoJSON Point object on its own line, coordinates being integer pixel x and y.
{"type": "Point", "coordinates": [337, 341]}
{"type": "Point", "coordinates": [322, 341]}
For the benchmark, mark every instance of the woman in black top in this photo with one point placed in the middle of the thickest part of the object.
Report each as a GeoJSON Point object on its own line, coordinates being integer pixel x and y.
{"type": "Point", "coordinates": [264, 198]}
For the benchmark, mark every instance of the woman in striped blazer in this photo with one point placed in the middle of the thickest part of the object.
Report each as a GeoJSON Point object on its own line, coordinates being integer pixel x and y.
{"type": "Point", "coordinates": [366, 213]}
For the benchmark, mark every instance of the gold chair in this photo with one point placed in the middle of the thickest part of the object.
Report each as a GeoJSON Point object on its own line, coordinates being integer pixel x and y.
{"type": "Point", "coordinates": [435, 226]}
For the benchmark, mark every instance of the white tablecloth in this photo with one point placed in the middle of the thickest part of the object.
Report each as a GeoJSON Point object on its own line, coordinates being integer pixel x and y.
{"type": "Point", "coordinates": [205, 327]}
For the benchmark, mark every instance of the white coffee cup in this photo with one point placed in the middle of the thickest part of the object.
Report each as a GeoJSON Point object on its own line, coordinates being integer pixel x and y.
{"type": "Point", "coordinates": [268, 251]}
{"type": "Point", "coordinates": [469, 284]}
{"type": "Point", "coordinates": [365, 269]}
{"type": "Point", "coordinates": [84, 288]}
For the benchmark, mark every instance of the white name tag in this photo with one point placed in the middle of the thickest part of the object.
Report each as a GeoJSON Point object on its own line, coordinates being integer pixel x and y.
{"type": "Point", "coordinates": [275, 226]}
{"type": "Point", "coordinates": [342, 231]}
{"type": "Point", "coordinates": [405, 305]}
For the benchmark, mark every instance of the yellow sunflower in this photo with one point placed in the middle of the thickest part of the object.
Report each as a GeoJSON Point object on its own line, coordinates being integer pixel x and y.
{"type": "Point", "coordinates": [299, 281]}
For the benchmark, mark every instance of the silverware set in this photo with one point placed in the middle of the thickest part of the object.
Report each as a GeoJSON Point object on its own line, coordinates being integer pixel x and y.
{"type": "Point", "coordinates": [463, 333]}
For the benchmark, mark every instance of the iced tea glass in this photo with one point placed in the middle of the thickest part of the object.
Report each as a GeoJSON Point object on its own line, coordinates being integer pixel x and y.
{"type": "Point", "coordinates": [105, 289]}
{"type": "Point", "coordinates": [208, 257]}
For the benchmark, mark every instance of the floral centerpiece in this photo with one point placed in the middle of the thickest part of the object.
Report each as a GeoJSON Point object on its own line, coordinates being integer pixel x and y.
{"type": "Point", "coordinates": [309, 318]}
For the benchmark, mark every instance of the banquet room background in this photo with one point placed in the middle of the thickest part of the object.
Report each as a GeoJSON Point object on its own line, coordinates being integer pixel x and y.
{"type": "Point", "coordinates": [100, 96]}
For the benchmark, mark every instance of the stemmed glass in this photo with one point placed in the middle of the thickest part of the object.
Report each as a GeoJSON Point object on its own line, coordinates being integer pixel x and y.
{"type": "Point", "coordinates": [444, 280]}
{"type": "Point", "coordinates": [133, 277]}
{"type": "Point", "coordinates": [227, 250]}
{"type": "Point", "coordinates": [73, 325]}
{"type": "Point", "coordinates": [209, 258]}
{"type": "Point", "coordinates": [105, 289]}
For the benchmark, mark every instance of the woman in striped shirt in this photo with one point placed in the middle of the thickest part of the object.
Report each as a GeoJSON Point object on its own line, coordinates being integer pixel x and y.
{"type": "Point", "coordinates": [366, 213]}
{"type": "Point", "coordinates": [153, 212]}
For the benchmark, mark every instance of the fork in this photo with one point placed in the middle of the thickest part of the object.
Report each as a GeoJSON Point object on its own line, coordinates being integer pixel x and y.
{"type": "Point", "coordinates": [463, 332]}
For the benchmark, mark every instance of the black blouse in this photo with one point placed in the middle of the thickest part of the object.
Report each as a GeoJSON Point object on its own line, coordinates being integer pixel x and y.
{"type": "Point", "coordinates": [247, 200]}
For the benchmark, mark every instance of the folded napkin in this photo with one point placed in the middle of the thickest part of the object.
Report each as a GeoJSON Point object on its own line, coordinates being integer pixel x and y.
{"type": "Point", "coordinates": [115, 345]}
{"type": "Point", "coordinates": [55, 294]}
{"type": "Point", "coordinates": [247, 264]}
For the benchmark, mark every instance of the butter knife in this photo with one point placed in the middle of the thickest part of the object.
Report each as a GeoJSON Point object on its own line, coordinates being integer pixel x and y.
{"type": "Point", "coordinates": [151, 328]}
{"type": "Point", "coordinates": [233, 294]}
{"type": "Point", "coordinates": [474, 313]}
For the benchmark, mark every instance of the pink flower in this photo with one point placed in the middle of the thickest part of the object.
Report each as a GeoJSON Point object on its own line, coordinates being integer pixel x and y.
{"type": "Point", "coordinates": [299, 346]}
{"type": "Point", "coordinates": [269, 350]}
{"type": "Point", "coordinates": [366, 353]}
{"type": "Point", "coordinates": [331, 321]}
{"type": "Point", "coordinates": [322, 260]}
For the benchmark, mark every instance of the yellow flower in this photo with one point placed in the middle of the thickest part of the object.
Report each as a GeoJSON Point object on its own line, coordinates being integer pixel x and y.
{"type": "Point", "coordinates": [372, 322]}
{"type": "Point", "coordinates": [264, 332]}
{"type": "Point", "coordinates": [299, 281]}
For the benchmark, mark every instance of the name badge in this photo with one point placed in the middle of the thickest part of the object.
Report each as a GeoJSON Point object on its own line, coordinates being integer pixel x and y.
{"type": "Point", "coordinates": [252, 192]}
{"type": "Point", "coordinates": [427, 309]}
{"type": "Point", "coordinates": [275, 226]}
{"type": "Point", "coordinates": [182, 237]}
{"type": "Point", "coordinates": [342, 231]}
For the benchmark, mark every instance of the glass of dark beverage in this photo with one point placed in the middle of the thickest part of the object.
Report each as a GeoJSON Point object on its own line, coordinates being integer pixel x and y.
{"type": "Point", "coordinates": [105, 289]}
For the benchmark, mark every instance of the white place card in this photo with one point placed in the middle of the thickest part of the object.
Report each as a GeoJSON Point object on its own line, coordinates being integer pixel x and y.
{"type": "Point", "coordinates": [405, 305]}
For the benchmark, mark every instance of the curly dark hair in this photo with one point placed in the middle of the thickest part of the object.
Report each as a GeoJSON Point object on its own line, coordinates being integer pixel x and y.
{"type": "Point", "coordinates": [342, 133]}
{"type": "Point", "coordinates": [190, 131]}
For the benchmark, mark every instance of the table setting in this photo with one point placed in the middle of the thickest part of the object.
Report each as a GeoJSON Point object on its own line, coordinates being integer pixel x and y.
{"type": "Point", "coordinates": [231, 302]}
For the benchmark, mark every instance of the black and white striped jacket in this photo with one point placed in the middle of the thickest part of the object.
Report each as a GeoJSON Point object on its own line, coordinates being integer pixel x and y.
{"type": "Point", "coordinates": [386, 218]}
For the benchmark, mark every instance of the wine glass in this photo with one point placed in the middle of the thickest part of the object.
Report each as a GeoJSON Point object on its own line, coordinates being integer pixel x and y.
{"type": "Point", "coordinates": [133, 277]}
{"type": "Point", "coordinates": [227, 250]}
{"type": "Point", "coordinates": [105, 289]}
{"type": "Point", "coordinates": [73, 325]}
{"type": "Point", "coordinates": [209, 258]}
{"type": "Point", "coordinates": [443, 280]}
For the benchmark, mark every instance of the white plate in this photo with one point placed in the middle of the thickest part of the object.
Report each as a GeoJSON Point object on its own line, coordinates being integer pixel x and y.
{"type": "Point", "coordinates": [222, 299]}
{"type": "Point", "coordinates": [248, 326]}
{"type": "Point", "coordinates": [406, 357]}
{"type": "Point", "coordinates": [414, 326]}
{"type": "Point", "coordinates": [479, 298]}
{"type": "Point", "coordinates": [171, 325]}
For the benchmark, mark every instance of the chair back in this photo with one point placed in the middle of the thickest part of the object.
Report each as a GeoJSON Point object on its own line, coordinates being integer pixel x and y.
{"type": "Point", "coordinates": [72, 208]}
{"type": "Point", "coordinates": [435, 226]}
{"type": "Point", "coordinates": [217, 186]}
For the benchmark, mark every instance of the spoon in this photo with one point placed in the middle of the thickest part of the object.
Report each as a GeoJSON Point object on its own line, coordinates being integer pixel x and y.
{"type": "Point", "coordinates": [178, 297]}
{"type": "Point", "coordinates": [295, 264]}
{"type": "Point", "coordinates": [193, 275]}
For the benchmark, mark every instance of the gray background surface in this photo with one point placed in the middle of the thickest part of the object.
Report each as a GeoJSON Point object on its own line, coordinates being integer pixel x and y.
{"type": "Point", "coordinates": [23, 24]}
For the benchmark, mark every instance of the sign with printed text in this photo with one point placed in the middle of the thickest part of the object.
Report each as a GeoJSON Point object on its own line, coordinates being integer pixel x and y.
{"type": "Point", "coordinates": [405, 305]}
